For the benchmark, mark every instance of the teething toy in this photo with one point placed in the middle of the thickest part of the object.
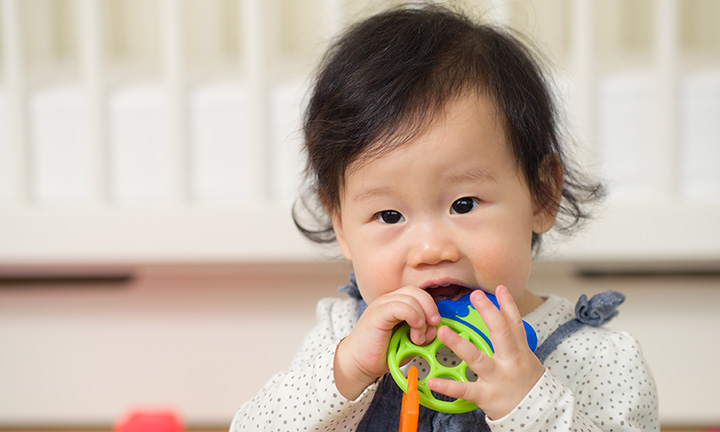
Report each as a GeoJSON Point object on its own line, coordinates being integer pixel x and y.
{"type": "Point", "coordinates": [462, 317]}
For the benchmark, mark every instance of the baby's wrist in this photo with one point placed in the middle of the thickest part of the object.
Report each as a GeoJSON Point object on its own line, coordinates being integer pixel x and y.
{"type": "Point", "coordinates": [350, 380]}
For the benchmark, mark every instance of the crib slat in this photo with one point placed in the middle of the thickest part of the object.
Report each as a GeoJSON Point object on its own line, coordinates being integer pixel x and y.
{"type": "Point", "coordinates": [666, 34]}
{"type": "Point", "coordinates": [15, 88]}
{"type": "Point", "coordinates": [173, 67]}
{"type": "Point", "coordinates": [583, 55]}
{"type": "Point", "coordinates": [334, 15]}
{"type": "Point", "coordinates": [90, 41]}
{"type": "Point", "coordinates": [255, 62]}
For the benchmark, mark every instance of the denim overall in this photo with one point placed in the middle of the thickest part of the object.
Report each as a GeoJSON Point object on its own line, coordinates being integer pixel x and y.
{"type": "Point", "coordinates": [384, 411]}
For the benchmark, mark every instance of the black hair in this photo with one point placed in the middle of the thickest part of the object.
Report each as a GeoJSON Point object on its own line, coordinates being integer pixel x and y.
{"type": "Point", "coordinates": [385, 78]}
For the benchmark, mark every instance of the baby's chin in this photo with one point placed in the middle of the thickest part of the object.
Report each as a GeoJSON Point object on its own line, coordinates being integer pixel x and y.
{"type": "Point", "coordinates": [448, 292]}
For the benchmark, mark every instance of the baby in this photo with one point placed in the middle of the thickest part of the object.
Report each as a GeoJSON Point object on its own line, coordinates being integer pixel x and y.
{"type": "Point", "coordinates": [436, 160]}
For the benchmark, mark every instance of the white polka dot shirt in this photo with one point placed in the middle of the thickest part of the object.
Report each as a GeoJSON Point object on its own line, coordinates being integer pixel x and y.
{"type": "Point", "coordinates": [596, 380]}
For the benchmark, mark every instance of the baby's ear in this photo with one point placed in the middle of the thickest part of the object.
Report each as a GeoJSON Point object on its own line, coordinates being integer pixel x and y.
{"type": "Point", "coordinates": [340, 234]}
{"type": "Point", "coordinates": [547, 202]}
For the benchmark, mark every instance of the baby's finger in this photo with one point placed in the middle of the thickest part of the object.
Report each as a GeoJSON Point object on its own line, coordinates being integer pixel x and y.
{"type": "Point", "coordinates": [512, 314]}
{"type": "Point", "coordinates": [425, 301]}
{"type": "Point", "coordinates": [501, 336]}
{"type": "Point", "coordinates": [391, 311]}
{"type": "Point", "coordinates": [451, 388]}
{"type": "Point", "coordinates": [422, 328]}
{"type": "Point", "coordinates": [477, 361]}
{"type": "Point", "coordinates": [411, 311]}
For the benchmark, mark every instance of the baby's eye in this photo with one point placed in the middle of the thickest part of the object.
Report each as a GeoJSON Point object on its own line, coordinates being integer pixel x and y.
{"type": "Point", "coordinates": [464, 205]}
{"type": "Point", "coordinates": [389, 217]}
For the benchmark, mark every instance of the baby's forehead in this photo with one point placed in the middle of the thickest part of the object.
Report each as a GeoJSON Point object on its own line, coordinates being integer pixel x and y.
{"type": "Point", "coordinates": [413, 125]}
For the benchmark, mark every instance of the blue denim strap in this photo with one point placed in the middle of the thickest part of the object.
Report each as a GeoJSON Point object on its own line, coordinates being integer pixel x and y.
{"type": "Point", "coordinates": [353, 291]}
{"type": "Point", "coordinates": [595, 312]}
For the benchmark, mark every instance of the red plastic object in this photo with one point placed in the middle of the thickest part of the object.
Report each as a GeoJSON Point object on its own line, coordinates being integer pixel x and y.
{"type": "Point", "coordinates": [150, 421]}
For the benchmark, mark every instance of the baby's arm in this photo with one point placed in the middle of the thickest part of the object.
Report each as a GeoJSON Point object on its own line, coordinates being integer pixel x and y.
{"type": "Point", "coordinates": [616, 390]}
{"type": "Point", "coordinates": [306, 395]}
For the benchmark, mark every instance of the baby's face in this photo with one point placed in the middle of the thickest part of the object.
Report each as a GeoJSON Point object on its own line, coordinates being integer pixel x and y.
{"type": "Point", "coordinates": [447, 212]}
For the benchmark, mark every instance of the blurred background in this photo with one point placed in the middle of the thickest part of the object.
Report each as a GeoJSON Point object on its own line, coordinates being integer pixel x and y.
{"type": "Point", "coordinates": [150, 156]}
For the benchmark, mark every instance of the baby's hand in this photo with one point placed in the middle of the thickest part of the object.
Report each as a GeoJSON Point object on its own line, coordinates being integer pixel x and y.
{"type": "Point", "coordinates": [362, 356]}
{"type": "Point", "coordinates": [503, 379]}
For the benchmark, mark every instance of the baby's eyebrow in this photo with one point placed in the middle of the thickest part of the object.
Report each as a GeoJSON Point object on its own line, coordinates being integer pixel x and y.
{"type": "Point", "coordinates": [370, 193]}
{"type": "Point", "coordinates": [475, 174]}
{"type": "Point", "coordinates": [472, 175]}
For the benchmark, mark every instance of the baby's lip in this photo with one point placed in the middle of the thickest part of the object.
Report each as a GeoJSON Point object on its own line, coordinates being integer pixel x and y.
{"type": "Point", "coordinates": [447, 291]}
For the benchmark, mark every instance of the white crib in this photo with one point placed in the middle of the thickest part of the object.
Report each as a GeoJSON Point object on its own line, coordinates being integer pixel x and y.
{"type": "Point", "coordinates": [168, 130]}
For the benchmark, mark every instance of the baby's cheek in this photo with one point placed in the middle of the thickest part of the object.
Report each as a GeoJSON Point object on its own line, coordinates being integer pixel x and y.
{"type": "Point", "coordinates": [375, 280]}
{"type": "Point", "coordinates": [500, 264]}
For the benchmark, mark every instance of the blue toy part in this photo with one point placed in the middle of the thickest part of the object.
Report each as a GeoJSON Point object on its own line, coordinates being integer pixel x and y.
{"type": "Point", "coordinates": [464, 312]}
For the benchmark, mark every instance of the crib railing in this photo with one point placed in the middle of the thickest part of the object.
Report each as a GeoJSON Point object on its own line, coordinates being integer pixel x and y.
{"type": "Point", "coordinates": [169, 129]}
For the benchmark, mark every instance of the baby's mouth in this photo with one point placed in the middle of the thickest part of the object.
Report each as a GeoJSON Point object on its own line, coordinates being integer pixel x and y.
{"type": "Point", "coordinates": [448, 292]}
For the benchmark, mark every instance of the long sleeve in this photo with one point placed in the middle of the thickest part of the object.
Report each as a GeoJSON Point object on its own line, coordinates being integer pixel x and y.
{"type": "Point", "coordinates": [596, 381]}
{"type": "Point", "coordinates": [305, 396]}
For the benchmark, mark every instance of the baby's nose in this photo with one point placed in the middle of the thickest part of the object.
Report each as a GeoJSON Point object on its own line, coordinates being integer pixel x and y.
{"type": "Point", "coordinates": [431, 246]}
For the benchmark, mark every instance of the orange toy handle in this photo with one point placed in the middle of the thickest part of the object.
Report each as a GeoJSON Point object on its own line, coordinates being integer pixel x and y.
{"type": "Point", "coordinates": [410, 403]}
